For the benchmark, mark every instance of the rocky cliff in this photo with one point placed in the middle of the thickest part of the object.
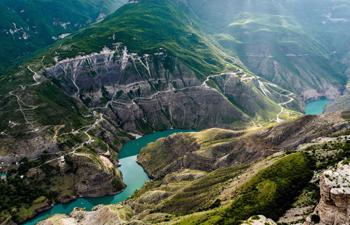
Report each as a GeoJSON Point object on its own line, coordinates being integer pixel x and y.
{"type": "Point", "coordinates": [192, 188]}
{"type": "Point", "coordinates": [159, 91]}
{"type": "Point", "coordinates": [333, 207]}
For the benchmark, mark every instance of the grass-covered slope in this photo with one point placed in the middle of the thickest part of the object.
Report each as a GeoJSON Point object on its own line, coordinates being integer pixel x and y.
{"type": "Point", "coordinates": [268, 193]}
{"type": "Point", "coordinates": [27, 25]}
{"type": "Point", "coordinates": [278, 48]}
{"type": "Point", "coordinates": [147, 26]}
{"type": "Point", "coordinates": [151, 25]}
{"type": "Point", "coordinates": [297, 45]}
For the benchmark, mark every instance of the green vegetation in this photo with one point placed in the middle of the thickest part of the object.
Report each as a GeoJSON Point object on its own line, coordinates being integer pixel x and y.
{"type": "Point", "coordinates": [19, 194]}
{"type": "Point", "coordinates": [24, 32]}
{"type": "Point", "coordinates": [36, 184]}
{"type": "Point", "coordinates": [201, 194]}
{"type": "Point", "coordinates": [329, 154]}
{"type": "Point", "coordinates": [145, 28]}
{"type": "Point", "coordinates": [346, 115]}
{"type": "Point", "coordinates": [269, 193]}
{"type": "Point", "coordinates": [56, 104]}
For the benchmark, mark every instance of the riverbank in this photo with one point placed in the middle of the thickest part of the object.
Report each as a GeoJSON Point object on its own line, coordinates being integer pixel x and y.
{"type": "Point", "coordinates": [133, 176]}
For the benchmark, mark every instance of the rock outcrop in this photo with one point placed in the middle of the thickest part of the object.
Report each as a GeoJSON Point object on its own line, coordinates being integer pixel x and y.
{"type": "Point", "coordinates": [96, 177]}
{"type": "Point", "coordinates": [112, 215]}
{"type": "Point", "coordinates": [334, 206]}
{"type": "Point", "coordinates": [154, 92]}
{"type": "Point", "coordinates": [215, 148]}
{"type": "Point", "coordinates": [259, 220]}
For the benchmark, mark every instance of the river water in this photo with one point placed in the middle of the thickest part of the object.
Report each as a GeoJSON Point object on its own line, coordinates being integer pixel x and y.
{"type": "Point", "coordinates": [316, 107]}
{"type": "Point", "coordinates": [133, 176]}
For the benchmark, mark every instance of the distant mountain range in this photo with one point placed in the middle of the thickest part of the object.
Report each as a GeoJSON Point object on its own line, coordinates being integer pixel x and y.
{"type": "Point", "coordinates": [301, 46]}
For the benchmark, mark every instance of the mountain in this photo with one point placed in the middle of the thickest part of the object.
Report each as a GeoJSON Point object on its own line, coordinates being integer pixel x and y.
{"type": "Point", "coordinates": [26, 26]}
{"type": "Point", "coordinates": [299, 46]}
{"type": "Point", "coordinates": [220, 176]}
{"type": "Point", "coordinates": [66, 112]}
{"type": "Point", "coordinates": [154, 65]}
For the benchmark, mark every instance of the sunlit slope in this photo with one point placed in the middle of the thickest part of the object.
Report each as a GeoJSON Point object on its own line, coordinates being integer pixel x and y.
{"type": "Point", "coordinates": [292, 43]}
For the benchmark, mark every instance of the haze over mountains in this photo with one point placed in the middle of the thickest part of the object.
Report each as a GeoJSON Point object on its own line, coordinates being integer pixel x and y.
{"type": "Point", "coordinates": [244, 68]}
{"type": "Point", "coordinates": [301, 46]}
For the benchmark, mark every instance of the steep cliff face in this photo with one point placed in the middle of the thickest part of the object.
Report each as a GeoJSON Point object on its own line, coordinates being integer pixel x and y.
{"type": "Point", "coordinates": [335, 194]}
{"type": "Point", "coordinates": [78, 99]}
{"type": "Point", "coordinates": [159, 91]}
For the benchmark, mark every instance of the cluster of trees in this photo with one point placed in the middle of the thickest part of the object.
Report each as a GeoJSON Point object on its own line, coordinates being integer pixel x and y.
{"type": "Point", "coordinates": [18, 191]}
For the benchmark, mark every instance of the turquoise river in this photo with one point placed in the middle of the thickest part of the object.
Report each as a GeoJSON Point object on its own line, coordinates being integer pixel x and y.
{"type": "Point", "coordinates": [316, 107]}
{"type": "Point", "coordinates": [133, 176]}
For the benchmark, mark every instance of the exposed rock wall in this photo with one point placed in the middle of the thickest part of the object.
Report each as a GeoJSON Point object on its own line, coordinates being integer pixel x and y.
{"type": "Point", "coordinates": [334, 206]}
{"type": "Point", "coordinates": [96, 177]}
{"type": "Point", "coordinates": [258, 220]}
{"type": "Point", "coordinates": [153, 92]}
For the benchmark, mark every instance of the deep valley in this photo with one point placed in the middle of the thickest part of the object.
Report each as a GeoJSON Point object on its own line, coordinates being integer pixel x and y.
{"type": "Point", "coordinates": [92, 123]}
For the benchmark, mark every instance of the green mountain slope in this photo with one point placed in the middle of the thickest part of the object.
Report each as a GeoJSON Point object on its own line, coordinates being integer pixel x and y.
{"type": "Point", "coordinates": [294, 44]}
{"type": "Point", "coordinates": [220, 176]}
{"type": "Point", "coordinates": [144, 28]}
{"type": "Point", "coordinates": [178, 34]}
{"type": "Point", "coordinates": [75, 102]}
{"type": "Point", "coordinates": [26, 26]}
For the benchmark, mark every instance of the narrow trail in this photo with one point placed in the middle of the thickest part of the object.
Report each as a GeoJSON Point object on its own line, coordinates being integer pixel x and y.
{"type": "Point", "coordinates": [278, 118]}
{"type": "Point", "coordinates": [20, 107]}
{"type": "Point", "coordinates": [282, 104]}
{"type": "Point", "coordinates": [28, 115]}
{"type": "Point", "coordinates": [262, 85]}
{"type": "Point", "coordinates": [26, 109]}
{"type": "Point", "coordinates": [86, 131]}
{"type": "Point", "coordinates": [36, 77]}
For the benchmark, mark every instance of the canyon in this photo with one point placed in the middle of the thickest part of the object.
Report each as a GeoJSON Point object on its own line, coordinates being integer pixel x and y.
{"type": "Point", "coordinates": [235, 82]}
